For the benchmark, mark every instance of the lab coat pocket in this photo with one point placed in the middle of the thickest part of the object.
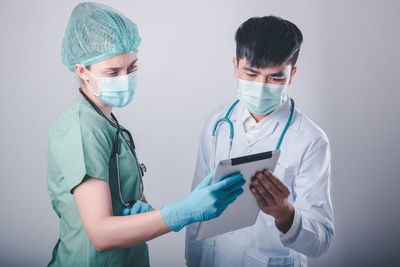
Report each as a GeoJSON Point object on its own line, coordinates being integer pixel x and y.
{"type": "Point", "coordinates": [259, 260]}
{"type": "Point", "coordinates": [287, 175]}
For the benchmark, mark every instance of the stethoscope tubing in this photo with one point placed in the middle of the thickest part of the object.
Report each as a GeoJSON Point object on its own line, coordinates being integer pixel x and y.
{"type": "Point", "coordinates": [141, 167]}
{"type": "Point", "coordinates": [226, 119]}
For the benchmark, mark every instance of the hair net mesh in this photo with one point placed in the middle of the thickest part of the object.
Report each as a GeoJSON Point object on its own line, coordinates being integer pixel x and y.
{"type": "Point", "coordinates": [96, 32]}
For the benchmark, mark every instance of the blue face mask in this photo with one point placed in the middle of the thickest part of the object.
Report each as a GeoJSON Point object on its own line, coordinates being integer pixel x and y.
{"type": "Point", "coordinates": [116, 91]}
{"type": "Point", "coordinates": [261, 98]}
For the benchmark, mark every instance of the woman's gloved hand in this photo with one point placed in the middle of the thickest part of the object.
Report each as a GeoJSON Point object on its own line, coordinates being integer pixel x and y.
{"type": "Point", "coordinates": [207, 201]}
{"type": "Point", "coordinates": [138, 207]}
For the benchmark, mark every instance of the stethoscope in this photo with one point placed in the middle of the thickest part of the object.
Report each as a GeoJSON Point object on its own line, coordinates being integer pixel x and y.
{"type": "Point", "coordinates": [231, 130]}
{"type": "Point", "coordinates": [141, 167]}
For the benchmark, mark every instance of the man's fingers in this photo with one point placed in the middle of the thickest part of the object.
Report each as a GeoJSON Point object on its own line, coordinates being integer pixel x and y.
{"type": "Point", "coordinates": [262, 204]}
{"type": "Point", "coordinates": [268, 198]}
{"type": "Point", "coordinates": [272, 189]}
{"type": "Point", "coordinates": [278, 183]}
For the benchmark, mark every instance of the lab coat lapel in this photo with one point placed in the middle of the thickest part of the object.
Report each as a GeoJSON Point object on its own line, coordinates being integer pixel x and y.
{"type": "Point", "coordinates": [266, 133]}
{"type": "Point", "coordinates": [277, 121]}
{"type": "Point", "coordinates": [240, 141]}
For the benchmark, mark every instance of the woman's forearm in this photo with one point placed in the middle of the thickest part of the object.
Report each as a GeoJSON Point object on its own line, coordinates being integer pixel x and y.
{"type": "Point", "coordinates": [114, 232]}
{"type": "Point", "coordinates": [106, 231]}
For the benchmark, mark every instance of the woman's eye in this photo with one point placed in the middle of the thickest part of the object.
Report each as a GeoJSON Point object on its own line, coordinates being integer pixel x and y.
{"type": "Point", "coordinates": [132, 69]}
{"type": "Point", "coordinates": [112, 73]}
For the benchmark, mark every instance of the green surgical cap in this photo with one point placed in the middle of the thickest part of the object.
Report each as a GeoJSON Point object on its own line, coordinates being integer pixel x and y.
{"type": "Point", "coordinates": [96, 32]}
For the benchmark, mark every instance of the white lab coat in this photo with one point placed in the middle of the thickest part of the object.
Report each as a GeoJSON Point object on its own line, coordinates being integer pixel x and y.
{"type": "Point", "coordinates": [304, 167]}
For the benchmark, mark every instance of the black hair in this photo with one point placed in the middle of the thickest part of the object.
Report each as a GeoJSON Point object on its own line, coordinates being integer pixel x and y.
{"type": "Point", "coordinates": [268, 41]}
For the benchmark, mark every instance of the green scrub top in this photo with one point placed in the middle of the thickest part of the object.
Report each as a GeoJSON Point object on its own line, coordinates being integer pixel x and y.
{"type": "Point", "coordinates": [80, 145]}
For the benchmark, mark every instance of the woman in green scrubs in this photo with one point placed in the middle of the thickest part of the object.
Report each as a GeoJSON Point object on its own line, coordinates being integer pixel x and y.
{"type": "Point", "coordinates": [93, 175]}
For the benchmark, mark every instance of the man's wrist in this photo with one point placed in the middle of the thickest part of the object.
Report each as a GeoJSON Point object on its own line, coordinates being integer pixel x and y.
{"type": "Point", "coordinates": [285, 220]}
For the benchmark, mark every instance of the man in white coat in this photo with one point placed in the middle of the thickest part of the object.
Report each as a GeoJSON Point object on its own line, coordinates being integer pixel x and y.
{"type": "Point", "coordinates": [296, 217]}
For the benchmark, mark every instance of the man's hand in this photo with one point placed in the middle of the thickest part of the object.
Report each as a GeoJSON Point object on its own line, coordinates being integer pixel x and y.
{"type": "Point", "coordinates": [272, 198]}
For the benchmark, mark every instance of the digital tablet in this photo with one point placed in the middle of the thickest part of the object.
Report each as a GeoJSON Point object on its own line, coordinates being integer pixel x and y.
{"type": "Point", "coordinates": [244, 210]}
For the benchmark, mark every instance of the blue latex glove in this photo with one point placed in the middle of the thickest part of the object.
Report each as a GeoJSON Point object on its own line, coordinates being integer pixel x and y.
{"type": "Point", "coordinates": [138, 207]}
{"type": "Point", "coordinates": [207, 201]}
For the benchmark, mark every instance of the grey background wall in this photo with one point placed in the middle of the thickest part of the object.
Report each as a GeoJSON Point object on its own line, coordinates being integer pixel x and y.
{"type": "Point", "coordinates": [347, 82]}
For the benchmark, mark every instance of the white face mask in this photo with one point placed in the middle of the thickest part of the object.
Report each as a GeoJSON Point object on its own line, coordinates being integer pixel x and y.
{"type": "Point", "coordinates": [261, 98]}
{"type": "Point", "coordinates": [115, 91]}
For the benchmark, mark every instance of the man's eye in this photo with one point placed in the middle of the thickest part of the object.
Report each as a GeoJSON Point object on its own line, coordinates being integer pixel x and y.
{"type": "Point", "coordinates": [251, 74]}
{"type": "Point", "coordinates": [278, 78]}
{"type": "Point", "coordinates": [112, 73]}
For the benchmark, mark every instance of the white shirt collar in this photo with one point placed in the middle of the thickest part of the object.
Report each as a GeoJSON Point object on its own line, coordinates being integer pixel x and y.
{"type": "Point", "coordinates": [267, 125]}
{"type": "Point", "coordinates": [273, 116]}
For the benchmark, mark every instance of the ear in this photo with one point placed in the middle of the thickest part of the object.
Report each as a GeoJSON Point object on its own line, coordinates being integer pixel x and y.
{"type": "Point", "coordinates": [81, 72]}
{"type": "Point", "coordinates": [294, 70]}
{"type": "Point", "coordinates": [235, 66]}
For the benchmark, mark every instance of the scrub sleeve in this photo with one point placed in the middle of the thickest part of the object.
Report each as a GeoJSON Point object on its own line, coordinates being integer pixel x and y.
{"type": "Point", "coordinates": [81, 151]}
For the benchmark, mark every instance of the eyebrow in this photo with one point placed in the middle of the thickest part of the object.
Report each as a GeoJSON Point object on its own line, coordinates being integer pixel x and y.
{"type": "Point", "coordinates": [115, 69]}
{"type": "Point", "coordinates": [251, 70]}
{"type": "Point", "coordinates": [278, 74]}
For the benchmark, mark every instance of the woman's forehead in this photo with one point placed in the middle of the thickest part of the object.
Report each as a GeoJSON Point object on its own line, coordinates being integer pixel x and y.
{"type": "Point", "coordinates": [118, 61]}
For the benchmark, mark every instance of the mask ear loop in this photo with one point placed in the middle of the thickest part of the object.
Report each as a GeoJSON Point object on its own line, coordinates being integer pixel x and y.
{"type": "Point", "coordinates": [91, 87]}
